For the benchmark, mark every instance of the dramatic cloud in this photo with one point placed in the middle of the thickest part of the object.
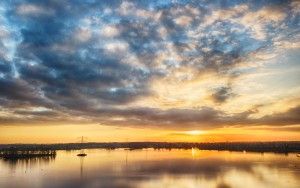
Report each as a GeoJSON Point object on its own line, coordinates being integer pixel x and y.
{"type": "Point", "coordinates": [222, 94]}
{"type": "Point", "coordinates": [100, 62]}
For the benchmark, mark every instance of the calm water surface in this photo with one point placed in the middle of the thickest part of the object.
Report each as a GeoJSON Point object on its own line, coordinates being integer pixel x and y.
{"type": "Point", "coordinates": [154, 169]}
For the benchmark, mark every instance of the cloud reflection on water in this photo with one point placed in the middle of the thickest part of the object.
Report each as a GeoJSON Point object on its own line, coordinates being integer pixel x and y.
{"type": "Point", "coordinates": [176, 168]}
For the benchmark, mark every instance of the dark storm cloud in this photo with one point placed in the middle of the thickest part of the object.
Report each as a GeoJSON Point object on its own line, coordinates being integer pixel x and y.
{"type": "Point", "coordinates": [220, 95]}
{"type": "Point", "coordinates": [4, 66]}
{"type": "Point", "coordinates": [180, 118]}
{"type": "Point", "coordinates": [36, 113]}
{"type": "Point", "coordinates": [64, 77]}
{"type": "Point", "coordinates": [208, 117]}
{"type": "Point", "coordinates": [17, 90]}
{"type": "Point", "coordinates": [292, 117]}
{"type": "Point", "coordinates": [58, 55]}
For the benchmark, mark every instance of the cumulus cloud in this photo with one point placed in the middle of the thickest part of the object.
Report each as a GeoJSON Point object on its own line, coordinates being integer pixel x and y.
{"type": "Point", "coordinates": [83, 35]}
{"type": "Point", "coordinates": [109, 31]}
{"type": "Point", "coordinates": [259, 20]}
{"type": "Point", "coordinates": [183, 20]}
{"type": "Point", "coordinates": [31, 9]}
{"type": "Point", "coordinates": [220, 95]}
{"type": "Point", "coordinates": [94, 60]}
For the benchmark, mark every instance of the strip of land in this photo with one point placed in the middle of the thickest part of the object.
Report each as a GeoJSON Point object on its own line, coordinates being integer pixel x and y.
{"type": "Point", "coordinates": [14, 153]}
{"type": "Point", "coordinates": [277, 147]}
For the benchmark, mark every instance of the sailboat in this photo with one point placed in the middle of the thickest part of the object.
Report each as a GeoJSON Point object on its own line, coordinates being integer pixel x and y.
{"type": "Point", "coordinates": [81, 154]}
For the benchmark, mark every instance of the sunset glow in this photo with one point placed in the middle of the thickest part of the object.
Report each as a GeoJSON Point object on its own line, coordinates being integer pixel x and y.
{"type": "Point", "coordinates": [191, 71]}
{"type": "Point", "coordinates": [194, 132]}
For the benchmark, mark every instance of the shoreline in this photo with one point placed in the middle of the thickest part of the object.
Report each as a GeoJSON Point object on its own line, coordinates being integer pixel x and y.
{"type": "Point", "coordinates": [276, 146]}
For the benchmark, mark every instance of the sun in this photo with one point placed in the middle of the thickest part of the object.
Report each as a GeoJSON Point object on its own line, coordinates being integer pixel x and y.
{"type": "Point", "coordinates": [194, 132]}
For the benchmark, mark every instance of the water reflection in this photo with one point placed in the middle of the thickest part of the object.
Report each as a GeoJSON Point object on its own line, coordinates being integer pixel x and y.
{"type": "Point", "coordinates": [149, 168]}
{"type": "Point", "coordinates": [27, 163]}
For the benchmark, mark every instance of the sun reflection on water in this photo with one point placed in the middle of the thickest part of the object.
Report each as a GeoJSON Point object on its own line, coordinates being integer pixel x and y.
{"type": "Point", "coordinates": [155, 168]}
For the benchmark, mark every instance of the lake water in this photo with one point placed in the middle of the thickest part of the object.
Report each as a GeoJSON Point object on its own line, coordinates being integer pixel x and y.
{"type": "Point", "coordinates": [154, 169]}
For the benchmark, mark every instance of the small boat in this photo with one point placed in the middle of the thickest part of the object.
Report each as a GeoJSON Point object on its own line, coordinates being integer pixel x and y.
{"type": "Point", "coordinates": [81, 154]}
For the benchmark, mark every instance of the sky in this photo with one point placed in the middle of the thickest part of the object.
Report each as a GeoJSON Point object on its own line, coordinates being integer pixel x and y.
{"type": "Point", "coordinates": [169, 70]}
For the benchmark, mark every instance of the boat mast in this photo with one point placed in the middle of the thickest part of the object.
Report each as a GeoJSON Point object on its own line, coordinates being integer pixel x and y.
{"type": "Point", "coordinates": [82, 151]}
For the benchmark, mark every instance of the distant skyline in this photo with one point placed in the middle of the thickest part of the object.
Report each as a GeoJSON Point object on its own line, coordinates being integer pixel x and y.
{"type": "Point", "coordinates": [178, 70]}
